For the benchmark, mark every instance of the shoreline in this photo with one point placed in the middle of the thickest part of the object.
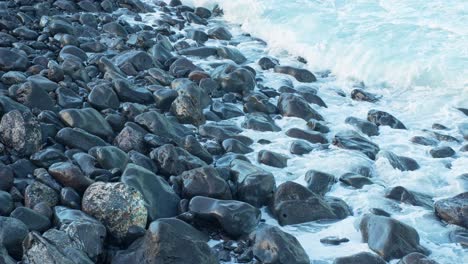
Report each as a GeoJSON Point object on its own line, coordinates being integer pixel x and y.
{"type": "Point", "coordinates": [137, 141]}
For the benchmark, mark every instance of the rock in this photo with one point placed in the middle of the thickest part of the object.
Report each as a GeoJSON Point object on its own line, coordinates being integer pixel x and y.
{"type": "Point", "coordinates": [34, 96]}
{"type": "Point", "coordinates": [364, 126]}
{"type": "Point", "coordinates": [194, 147]}
{"type": "Point", "coordinates": [131, 138]}
{"type": "Point", "coordinates": [69, 175]}
{"type": "Point", "coordinates": [12, 234]}
{"type": "Point", "coordinates": [454, 210]}
{"type": "Point", "coordinates": [219, 32]}
{"type": "Point", "coordinates": [202, 52]}
{"type": "Point", "coordinates": [231, 53]}
{"type": "Point", "coordinates": [361, 95]}
{"type": "Point", "coordinates": [182, 67]}
{"type": "Point", "coordinates": [236, 146]}
{"type": "Point", "coordinates": [442, 152]}
{"type": "Point", "coordinates": [319, 182]}
{"type": "Point", "coordinates": [6, 178]}
{"type": "Point", "coordinates": [267, 63]}
{"type": "Point", "coordinates": [233, 79]}
{"type": "Point", "coordinates": [399, 193]}
{"type": "Point", "coordinates": [160, 125]}
{"type": "Point", "coordinates": [163, 242]}
{"type": "Point", "coordinates": [70, 198]}
{"type": "Point", "coordinates": [103, 97]}
{"type": "Point", "coordinates": [128, 93]}
{"type": "Point", "coordinates": [399, 162]}
{"type": "Point", "coordinates": [355, 180]}
{"type": "Point", "coordinates": [60, 26]}
{"type": "Point", "coordinates": [6, 203]}
{"type": "Point", "coordinates": [116, 205]}
{"type": "Point", "coordinates": [268, 239]}
{"type": "Point", "coordinates": [187, 110]}
{"type": "Point", "coordinates": [46, 157]}
{"type": "Point", "coordinates": [87, 119]}
{"type": "Point", "coordinates": [67, 98]}
{"type": "Point", "coordinates": [353, 141]}
{"type": "Point", "coordinates": [33, 220]}
{"type": "Point", "coordinates": [88, 236]}
{"type": "Point", "coordinates": [174, 160]}
{"type": "Point", "coordinates": [204, 181]}
{"type": "Point", "coordinates": [381, 118]}
{"type": "Point", "coordinates": [300, 147]}
{"type": "Point", "coordinates": [234, 217]}
{"type": "Point", "coordinates": [295, 204]}
{"type": "Point", "coordinates": [388, 237]}
{"type": "Point", "coordinates": [273, 159]}
{"type": "Point", "coordinates": [8, 105]}
{"type": "Point", "coordinates": [311, 136]}
{"type": "Point", "coordinates": [164, 98]}
{"type": "Point", "coordinates": [132, 62]}
{"type": "Point", "coordinates": [443, 137]}
{"type": "Point", "coordinates": [115, 28]}
{"type": "Point", "coordinates": [424, 141]}
{"type": "Point", "coordinates": [255, 187]}
{"type": "Point", "coordinates": [11, 60]}
{"type": "Point", "coordinates": [70, 50]}
{"type": "Point", "coordinates": [78, 138]}
{"type": "Point", "coordinates": [293, 105]}
{"type": "Point", "coordinates": [416, 258]}
{"type": "Point", "coordinates": [258, 102]}
{"type": "Point", "coordinates": [333, 240]}
{"type": "Point", "coordinates": [360, 258]}
{"type": "Point", "coordinates": [110, 157]}
{"type": "Point", "coordinates": [38, 192]}
{"type": "Point", "coordinates": [21, 132]}
{"type": "Point", "coordinates": [302, 75]}
{"type": "Point", "coordinates": [260, 122]}
{"type": "Point", "coordinates": [160, 199]}
{"type": "Point", "coordinates": [226, 110]}
{"type": "Point", "coordinates": [318, 126]}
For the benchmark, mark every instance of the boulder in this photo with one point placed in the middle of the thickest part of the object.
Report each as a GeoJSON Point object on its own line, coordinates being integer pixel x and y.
{"type": "Point", "coordinates": [294, 105]}
{"type": "Point", "coordinates": [204, 181]}
{"type": "Point", "coordinates": [353, 141]}
{"type": "Point", "coordinates": [454, 210]}
{"type": "Point", "coordinates": [21, 132]}
{"type": "Point", "coordinates": [381, 118]}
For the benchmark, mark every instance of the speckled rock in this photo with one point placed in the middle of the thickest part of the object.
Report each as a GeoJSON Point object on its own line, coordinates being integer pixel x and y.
{"type": "Point", "coordinates": [21, 132]}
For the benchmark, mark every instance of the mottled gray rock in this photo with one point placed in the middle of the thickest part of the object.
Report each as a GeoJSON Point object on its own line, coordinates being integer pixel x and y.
{"type": "Point", "coordinates": [173, 160]}
{"type": "Point", "coordinates": [454, 210]}
{"type": "Point", "coordinates": [21, 132]}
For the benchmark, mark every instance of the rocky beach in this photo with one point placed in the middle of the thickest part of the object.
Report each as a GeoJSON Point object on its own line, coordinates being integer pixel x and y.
{"type": "Point", "coordinates": [160, 132]}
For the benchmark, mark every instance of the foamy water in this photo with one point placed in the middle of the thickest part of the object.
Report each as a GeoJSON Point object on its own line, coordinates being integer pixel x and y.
{"type": "Point", "coordinates": [414, 54]}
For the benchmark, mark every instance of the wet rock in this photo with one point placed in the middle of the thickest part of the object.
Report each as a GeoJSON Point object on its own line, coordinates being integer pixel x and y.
{"type": "Point", "coordinates": [110, 157]}
{"type": "Point", "coordinates": [87, 119]}
{"type": "Point", "coordinates": [268, 239]}
{"type": "Point", "coordinates": [34, 96]}
{"type": "Point", "coordinates": [463, 129]}
{"type": "Point", "coordinates": [12, 234]}
{"type": "Point", "coordinates": [67, 98]}
{"type": "Point", "coordinates": [115, 28]}
{"type": "Point", "coordinates": [236, 146]}
{"type": "Point", "coordinates": [202, 52]}
{"type": "Point", "coordinates": [33, 220]}
{"type": "Point", "coordinates": [260, 122]}
{"type": "Point", "coordinates": [21, 132]}
{"type": "Point", "coordinates": [8, 105]}
{"type": "Point", "coordinates": [5, 258]}
{"type": "Point", "coordinates": [399, 162]}
{"type": "Point", "coordinates": [70, 198]}
{"type": "Point", "coordinates": [318, 126]}
{"type": "Point", "coordinates": [388, 237]}
{"type": "Point", "coordinates": [295, 204]}
{"type": "Point", "coordinates": [361, 95]}
{"type": "Point", "coordinates": [204, 181]}
{"type": "Point", "coordinates": [255, 187]}
{"type": "Point", "coordinates": [381, 118]}
{"type": "Point", "coordinates": [60, 26]}
{"type": "Point", "coordinates": [128, 93]}
{"type": "Point", "coordinates": [267, 63]}
{"type": "Point", "coordinates": [293, 105]}
{"type": "Point", "coordinates": [38, 192]}
{"type": "Point", "coordinates": [443, 137]}
{"type": "Point", "coordinates": [353, 141]}
{"type": "Point", "coordinates": [11, 60]}
{"type": "Point", "coordinates": [234, 217]}
{"type": "Point", "coordinates": [174, 160]}
{"type": "Point", "coordinates": [220, 33]}
{"type": "Point", "coordinates": [333, 240]}
{"type": "Point", "coordinates": [416, 258]}
{"type": "Point", "coordinates": [69, 175]}
{"type": "Point", "coordinates": [13, 77]}
{"type": "Point", "coordinates": [355, 180]}
{"type": "Point", "coordinates": [310, 136]}
{"type": "Point", "coordinates": [164, 98]}
{"type": "Point", "coordinates": [116, 205]}
{"type": "Point", "coordinates": [194, 147]}
{"type": "Point", "coordinates": [300, 147]}
{"type": "Point", "coordinates": [463, 110]}
{"type": "Point", "coordinates": [78, 138]}
{"type": "Point", "coordinates": [131, 138]}
{"type": "Point", "coordinates": [163, 242]}
{"type": "Point", "coordinates": [226, 110]}
{"type": "Point", "coordinates": [160, 125]}
{"type": "Point", "coordinates": [360, 258]}
{"type": "Point", "coordinates": [132, 62]}
{"type": "Point", "coordinates": [6, 178]}
{"type": "Point", "coordinates": [46, 157]}
{"type": "Point", "coordinates": [319, 182]}
{"type": "Point", "coordinates": [160, 199]}
{"type": "Point", "coordinates": [454, 210]}
{"type": "Point", "coordinates": [273, 159]}
{"type": "Point", "coordinates": [302, 75]}
{"type": "Point", "coordinates": [424, 141]}
{"type": "Point", "coordinates": [187, 110]}
{"type": "Point", "coordinates": [233, 79]}
{"type": "Point", "coordinates": [399, 193]}
{"type": "Point", "coordinates": [6, 203]}
{"type": "Point", "coordinates": [442, 152]}
{"type": "Point", "coordinates": [258, 102]}
{"type": "Point", "coordinates": [103, 97]}
{"type": "Point", "coordinates": [231, 53]}
{"type": "Point", "coordinates": [182, 67]}
{"type": "Point", "coordinates": [364, 126]}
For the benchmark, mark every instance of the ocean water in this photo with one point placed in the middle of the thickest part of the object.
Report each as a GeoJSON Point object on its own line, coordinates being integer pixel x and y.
{"type": "Point", "coordinates": [414, 53]}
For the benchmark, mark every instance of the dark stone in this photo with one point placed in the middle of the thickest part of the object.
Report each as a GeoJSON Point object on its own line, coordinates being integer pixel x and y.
{"type": "Point", "coordinates": [160, 199]}
{"type": "Point", "coordinates": [46, 157]}
{"type": "Point", "coordinates": [360, 258]}
{"type": "Point", "coordinates": [333, 240]}
{"type": "Point", "coordinates": [318, 126]}
{"type": "Point", "coordinates": [378, 211]}
{"type": "Point", "coordinates": [115, 28]}
{"type": "Point", "coordinates": [454, 210]}
{"type": "Point", "coordinates": [21, 132]}
{"type": "Point", "coordinates": [256, 187]}
{"type": "Point", "coordinates": [268, 239]}
{"type": "Point", "coordinates": [416, 258]}
{"type": "Point", "coordinates": [443, 137]}
{"type": "Point", "coordinates": [226, 110]}
{"type": "Point", "coordinates": [258, 102]}
{"type": "Point", "coordinates": [70, 198]}
{"type": "Point", "coordinates": [127, 93]}
{"type": "Point", "coordinates": [267, 63]}
{"type": "Point", "coordinates": [442, 152]}
{"type": "Point", "coordinates": [401, 194]}
{"type": "Point", "coordinates": [60, 26]}
{"type": "Point", "coordinates": [38, 192]}
{"type": "Point", "coordinates": [399, 162]}
{"type": "Point", "coordinates": [131, 137]}
{"type": "Point", "coordinates": [300, 147]}
{"type": "Point", "coordinates": [202, 12]}
{"type": "Point", "coordinates": [231, 53]}
{"type": "Point", "coordinates": [293, 105]}
{"type": "Point", "coordinates": [235, 218]}
{"type": "Point", "coordinates": [233, 79]}
{"type": "Point", "coordinates": [6, 178]}
{"type": "Point", "coordinates": [182, 67]}
{"type": "Point", "coordinates": [355, 180]}
{"type": "Point", "coordinates": [424, 141]}
{"type": "Point", "coordinates": [33, 220]}
{"type": "Point", "coordinates": [204, 181]}
{"type": "Point", "coordinates": [187, 110]}
{"type": "Point", "coordinates": [102, 97]}
{"type": "Point", "coordinates": [260, 122]}
{"type": "Point", "coordinates": [11, 60]}
{"type": "Point", "coordinates": [8, 105]}
{"type": "Point", "coordinates": [12, 234]}
{"type": "Point", "coordinates": [463, 110]}
{"type": "Point", "coordinates": [361, 95]}
{"type": "Point", "coordinates": [34, 96]}
{"type": "Point", "coordinates": [173, 160]}
{"type": "Point", "coordinates": [202, 52]}
{"type": "Point", "coordinates": [194, 147]}
{"type": "Point", "coordinates": [364, 126]}
{"type": "Point", "coordinates": [381, 118]}
{"type": "Point", "coordinates": [310, 136]}
{"type": "Point", "coordinates": [133, 62]}
{"type": "Point", "coordinates": [69, 175]}
{"type": "Point", "coordinates": [110, 157]}
{"type": "Point", "coordinates": [67, 98]}
{"type": "Point", "coordinates": [302, 75]}
{"type": "Point", "coordinates": [273, 159]}
{"type": "Point", "coordinates": [78, 138]}
{"type": "Point", "coordinates": [236, 146]}
{"type": "Point", "coordinates": [388, 237]}
{"type": "Point", "coordinates": [220, 33]}
{"type": "Point", "coordinates": [164, 98]}
{"type": "Point", "coordinates": [353, 141]}
{"type": "Point", "coordinates": [87, 119]}
{"type": "Point", "coordinates": [319, 182]}
{"type": "Point", "coordinates": [6, 203]}
{"type": "Point", "coordinates": [197, 35]}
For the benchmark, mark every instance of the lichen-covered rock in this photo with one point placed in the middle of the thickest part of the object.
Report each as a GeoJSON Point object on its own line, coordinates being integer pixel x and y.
{"type": "Point", "coordinates": [118, 206]}
{"type": "Point", "coordinates": [21, 132]}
